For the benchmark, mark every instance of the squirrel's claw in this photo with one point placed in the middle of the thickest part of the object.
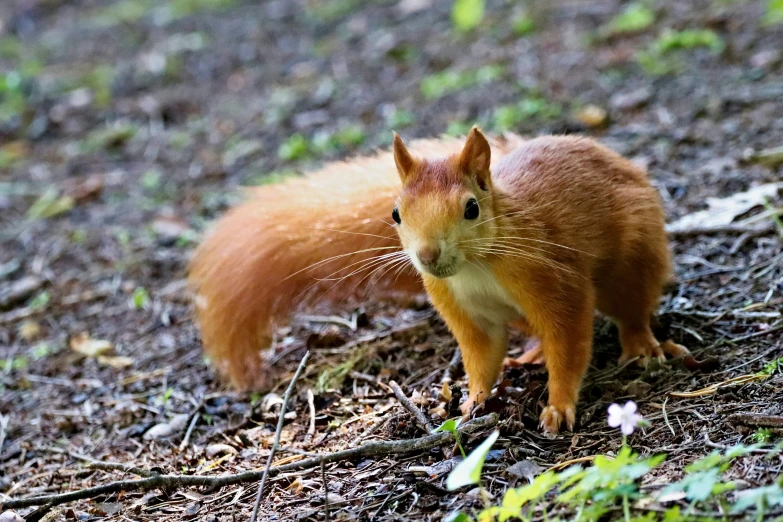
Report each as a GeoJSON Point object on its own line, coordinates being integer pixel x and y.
{"type": "Point", "coordinates": [553, 417]}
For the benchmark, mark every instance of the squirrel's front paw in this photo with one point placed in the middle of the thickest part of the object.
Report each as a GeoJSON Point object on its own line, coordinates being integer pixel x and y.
{"type": "Point", "coordinates": [474, 399]}
{"type": "Point", "coordinates": [467, 409]}
{"type": "Point", "coordinates": [553, 417]}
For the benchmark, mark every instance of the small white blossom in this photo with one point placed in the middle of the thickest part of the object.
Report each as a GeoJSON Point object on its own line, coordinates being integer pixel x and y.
{"type": "Point", "coordinates": [625, 417]}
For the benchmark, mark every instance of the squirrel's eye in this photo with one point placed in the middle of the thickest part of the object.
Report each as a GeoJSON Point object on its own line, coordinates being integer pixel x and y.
{"type": "Point", "coordinates": [396, 216]}
{"type": "Point", "coordinates": [471, 209]}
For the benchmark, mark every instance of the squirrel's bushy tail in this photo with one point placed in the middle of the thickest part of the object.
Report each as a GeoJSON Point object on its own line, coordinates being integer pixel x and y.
{"type": "Point", "coordinates": [322, 239]}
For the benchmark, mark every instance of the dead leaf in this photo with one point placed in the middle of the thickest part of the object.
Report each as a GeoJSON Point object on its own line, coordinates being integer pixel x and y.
{"type": "Point", "coordinates": [167, 429]}
{"type": "Point", "coordinates": [269, 401]}
{"type": "Point", "coordinates": [14, 151]}
{"type": "Point", "coordinates": [85, 189]}
{"type": "Point", "coordinates": [445, 392]}
{"type": "Point", "coordinates": [29, 330]}
{"type": "Point", "coordinates": [170, 228]}
{"type": "Point", "coordinates": [217, 449]}
{"type": "Point", "coordinates": [723, 212]}
{"type": "Point", "coordinates": [671, 496]}
{"type": "Point", "coordinates": [10, 516]}
{"type": "Point", "coordinates": [117, 362]}
{"type": "Point", "coordinates": [107, 508]}
{"type": "Point", "coordinates": [769, 157]}
{"type": "Point", "coordinates": [591, 115]}
{"type": "Point", "coordinates": [88, 347]}
{"type": "Point", "coordinates": [526, 469]}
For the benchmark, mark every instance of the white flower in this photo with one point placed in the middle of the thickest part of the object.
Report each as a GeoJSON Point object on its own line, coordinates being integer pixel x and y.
{"type": "Point", "coordinates": [625, 417]}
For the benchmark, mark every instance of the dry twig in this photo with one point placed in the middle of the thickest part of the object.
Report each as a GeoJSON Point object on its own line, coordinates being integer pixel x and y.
{"type": "Point", "coordinates": [279, 430]}
{"type": "Point", "coordinates": [311, 407]}
{"type": "Point", "coordinates": [406, 402]}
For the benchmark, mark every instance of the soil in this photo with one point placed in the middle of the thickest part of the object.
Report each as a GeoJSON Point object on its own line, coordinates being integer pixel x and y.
{"type": "Point", "coordinates": [136, 124]}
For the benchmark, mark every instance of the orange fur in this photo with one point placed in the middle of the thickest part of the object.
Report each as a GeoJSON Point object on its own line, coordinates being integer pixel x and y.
{"type": "Point", "coordinates": [268, 257]}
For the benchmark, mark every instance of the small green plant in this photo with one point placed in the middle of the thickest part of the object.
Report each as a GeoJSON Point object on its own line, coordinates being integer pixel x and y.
{"type": "Point", "coordinates": [294, 148]}
{"type": "Point", "coordinates": [326, 11]}
{"type": "Point", "coordinates": [350, 136]}
{"type": "Point", "coordinates": [446, 82]}
{"type": "Point", "coordinates": [611, 484]}
{"type": "Point", "coordinates": [774, 14]}
{"type": "Point", "coordinates": [658, 57]}
{"type": "Point", "coordinates": [14, 363]}
{"type": "Point", "coordinates": [140, 298]}
{"type": "Point", "coordinates": [451, 426]}
{"type": "Point", "coordinates": [635, 17]}
{"type": "Point", "coordinates": [40, 300]}
{"type": "Point", "coordinates": [775, 217]}
{"type": "Point", "coordinates": [762, 436]}
{"type": "Point", "coordinates": [522, 24]}
{"type": "Point", "coordinates": [466, 15]}
{"type": "Point", "coordinates": [269, 178]}
{"type": "Point", "coordinates": [458, 128]}
{"type": "Point", "coordinates": [162, 400]}
{"type": "Point", "coordinates": [333, 377]}
{"type": "Point", "coordinates": [50, 204]}
{"type": "Point", "coordinates": [507, 117]}
{"type": "Point", "coordinates": [400, 118]}
{"type": "Point", "coordinates": [771, 367]}
{"type": "Point", "coordinates": [150, 180]}
{"type": "Point", "coordinates": [41, 351]}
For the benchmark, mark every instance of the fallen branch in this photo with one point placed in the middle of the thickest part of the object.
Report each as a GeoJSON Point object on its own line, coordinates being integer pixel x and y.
{"type": "Point", "coordinates": [750, 230]}
{"type": "Point", "coordinates": [371, 449]}
{"type": "Point", "coordinates": [757, 420]}
{"type": "Point", "coordinates": [406, 402]}
{"type": "Point", "coordinates": [279, 430]}
{"type": "Point", "coordinates": [119, 466]}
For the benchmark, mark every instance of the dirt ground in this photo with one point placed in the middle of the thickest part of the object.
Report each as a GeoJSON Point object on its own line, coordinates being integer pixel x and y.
{"type": "Point", "coordinates": [126, 127]}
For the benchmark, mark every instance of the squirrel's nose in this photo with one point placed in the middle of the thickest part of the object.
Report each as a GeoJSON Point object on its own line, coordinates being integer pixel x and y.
{"type": "Point", "coordinates": [428, 255]}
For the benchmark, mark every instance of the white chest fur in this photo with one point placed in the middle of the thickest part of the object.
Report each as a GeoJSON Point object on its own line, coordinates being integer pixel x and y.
{"type": "Point", "coordinates": [478, 291]}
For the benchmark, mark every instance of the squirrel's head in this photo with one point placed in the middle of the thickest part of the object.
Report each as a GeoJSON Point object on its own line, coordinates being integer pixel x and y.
{"type": "Point", "coordinates": [445, 210]}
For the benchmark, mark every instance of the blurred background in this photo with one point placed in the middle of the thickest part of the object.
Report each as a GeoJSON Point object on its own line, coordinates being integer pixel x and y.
{"type": "Point", "coordinates": [161, 106]}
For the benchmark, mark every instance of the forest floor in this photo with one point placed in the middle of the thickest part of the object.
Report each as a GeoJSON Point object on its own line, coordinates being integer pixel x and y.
{"type": "Point", "coordinates": [127, 127]}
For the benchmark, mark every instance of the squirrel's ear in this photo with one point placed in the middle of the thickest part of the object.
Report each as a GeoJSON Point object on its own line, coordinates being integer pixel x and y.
{"type": "Point", "coordinates": [402, 158]}
{"type": "Point", "coordinates": [475, 156]}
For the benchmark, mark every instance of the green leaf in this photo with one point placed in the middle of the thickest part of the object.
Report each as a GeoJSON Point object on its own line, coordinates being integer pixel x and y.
{"type": "Point", "coordinates": [696, 486]}
{"type": "Point", "coordinates": [294, 148]}
{"type": "Point", "coordinates": [515, 499]}
{"type": "Point", "coordinates": [140, 298]}
{"type": "Point", "coordinates": [467, 14]}
{"type": "Point", "coordinates": [774, 12]}
{"type": "Point", "coordinates": [449, 425]}
{"type": "Point", "coordinates": [40, 301]}
{"type": "Point", "coordinates": [457, 516]}
{"type": "Point", "coordinates": [763, 497]}
{"type": "Point", "coordinates": [469, 470]}
{"type": "Point", "coordinates": [635, 17]}
{"type": "Point", "coordinates": [49, 205]}
{"type": "Point", "coordinates": [523, 24]}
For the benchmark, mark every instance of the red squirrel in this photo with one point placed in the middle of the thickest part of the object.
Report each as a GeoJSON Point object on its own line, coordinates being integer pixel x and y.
{"type": "Point", "coordinates": [535, 236]}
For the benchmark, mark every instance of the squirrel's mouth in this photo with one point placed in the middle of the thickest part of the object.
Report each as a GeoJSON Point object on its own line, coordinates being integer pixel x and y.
{"type": "Point", "coordinates": [442, 272]}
